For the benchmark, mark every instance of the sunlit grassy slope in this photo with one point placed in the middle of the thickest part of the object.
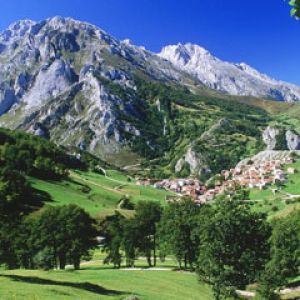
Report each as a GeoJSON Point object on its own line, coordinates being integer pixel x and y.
{"type": "Point", "coordinates": [101, 283]}
{"type": "Point", "coordinates": [95, 193]}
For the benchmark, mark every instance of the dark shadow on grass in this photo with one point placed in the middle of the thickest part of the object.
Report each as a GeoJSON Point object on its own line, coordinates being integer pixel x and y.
{"type": "Point", "coordinates": [86, 286]}
{"type": "Point", "coordinates": [74, 181]}
{"type": "Point", "coordinates": [40, 197]}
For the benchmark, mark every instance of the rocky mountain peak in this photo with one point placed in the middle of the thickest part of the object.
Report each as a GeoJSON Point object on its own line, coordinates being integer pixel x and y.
{"type": "Point", "coordinates": [75, 81]}
{"type": "Point", "coordinates": [235, 79]}
{"type": "Point", "coordinates": [76, 84]}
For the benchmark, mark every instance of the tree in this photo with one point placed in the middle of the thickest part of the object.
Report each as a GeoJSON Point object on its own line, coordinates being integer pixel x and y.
{"type": "Point", "coordinates": [62, 234]}
{"type": "Point", "coordinates": [79, 235]}
{"type": "Point", "coordinates": [7, 250]}
{"type": "Point", "coordinates": [147, 216]}
{"type": "Point", "coordinates": [234, 248]}
{"type": "Point", "coordinates": [15, 198]}
{"type": "Point", "coordinates": [111, 230]}
{"type": "Point", "coordinates": [133, 235]}
{"type": "Point", "coordinates": [178, 231]}
{"type": "Point", "coordinates": [296, 8]}
{"type": "Point", "coordinates": [15, 193]}
{"type": "Point", "coordinates": [125, 203]}
{"type": "Point", "coordinates": [129, 240]}
{"type": "Point", "coordinates": [285, 254]}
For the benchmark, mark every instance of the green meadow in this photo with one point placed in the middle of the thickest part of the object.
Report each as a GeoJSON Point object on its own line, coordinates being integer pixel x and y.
{"type": "Point", "coordinates": [95, 193]}
{"type": "Point", "coordinates": [98, 282]}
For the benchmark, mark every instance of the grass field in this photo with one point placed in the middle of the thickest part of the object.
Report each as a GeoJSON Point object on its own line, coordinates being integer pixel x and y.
{"type": "Point", "coordinates": [98, 282]}
{"type": "Point", "coordinates": [95, 193]}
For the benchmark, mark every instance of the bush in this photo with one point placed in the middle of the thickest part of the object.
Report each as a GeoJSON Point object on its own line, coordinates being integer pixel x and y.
{"type": "Point", "coordinates": [85, 189]}
{"type": "Point", "coordinates": [275, 208]}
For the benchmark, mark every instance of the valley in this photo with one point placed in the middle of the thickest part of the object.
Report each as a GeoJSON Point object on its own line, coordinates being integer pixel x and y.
{"type": "Point", "coordinates": [132, 175]}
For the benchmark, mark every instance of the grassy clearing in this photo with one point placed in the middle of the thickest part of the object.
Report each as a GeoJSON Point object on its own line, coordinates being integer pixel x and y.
{"type": "Point", "coordinates": [102, 193]}
{"type": "Point", "coordinates": [98, 282]}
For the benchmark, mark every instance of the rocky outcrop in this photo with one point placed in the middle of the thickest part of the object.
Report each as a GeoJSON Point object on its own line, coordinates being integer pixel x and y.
{"type": "Point", "coordinates": [279, 139]}
{"type": "Point", "coordinates": [293, 140]}
{"type": "Point", "coordinates": [53, 79]}
{"type": "Point", "coordinates": [196, 163]}
{"type": "Point", "coordinates": [179, 165]}
{"type": "Point", "coordinates": [269, 137]}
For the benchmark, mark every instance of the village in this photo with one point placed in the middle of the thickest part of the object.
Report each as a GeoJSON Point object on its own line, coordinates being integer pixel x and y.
{"type": "Point", "coordinates": [253, 174]}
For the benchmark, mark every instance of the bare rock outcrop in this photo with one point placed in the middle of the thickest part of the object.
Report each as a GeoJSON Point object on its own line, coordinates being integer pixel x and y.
{"type": "Point", "coordinates": [293, 140]}
{"type": "Point", "coordinates": [269, 137]}
{"type": "Point", "coordinates": [196, 163]}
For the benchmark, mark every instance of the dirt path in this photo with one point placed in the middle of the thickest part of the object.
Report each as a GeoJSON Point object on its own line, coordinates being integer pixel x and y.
{"type": "Point", "coordinates": [282, 292]}
{"type": "Point", "coordinates": [74, 175]}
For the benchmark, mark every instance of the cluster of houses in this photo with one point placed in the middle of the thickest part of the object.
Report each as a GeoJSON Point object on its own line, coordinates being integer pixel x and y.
{"type": "Point", "coordinates": [257, 174]}
{"type": "Point", "coordinates": [184, 187]}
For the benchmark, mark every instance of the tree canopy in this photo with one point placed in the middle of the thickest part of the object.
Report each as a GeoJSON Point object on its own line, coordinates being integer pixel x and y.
{"type": "Point", "coordinates": [234, 248]}
{"type": "Point", "coordinates": [296, 8]}
{"type": "Point", "coordinates": [285, 255]}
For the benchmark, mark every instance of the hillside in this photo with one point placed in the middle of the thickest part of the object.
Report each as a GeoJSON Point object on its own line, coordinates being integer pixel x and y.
{"type": "Point", "coordinates": [70, 178]}
{"type": "Point", "coordinates": [76, 85]}
{"type": "Point", "coordinates": [54, 175]}
{"type": "Point", "coordinates": [97, 194]}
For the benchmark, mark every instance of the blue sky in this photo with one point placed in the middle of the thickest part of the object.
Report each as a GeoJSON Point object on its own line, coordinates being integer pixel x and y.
{"type": "Point", "coordinates": [258, 32]}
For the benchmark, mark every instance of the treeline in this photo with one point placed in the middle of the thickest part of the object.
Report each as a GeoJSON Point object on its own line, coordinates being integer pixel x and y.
{"type": "Point", "coordinates": [23, 155]}
{"type": "Point", "coordinates": [35, 156]}
{"type": "Point", "coordinates": [228, 245]}
{"type": "Point", "coordinates": [32, 236]}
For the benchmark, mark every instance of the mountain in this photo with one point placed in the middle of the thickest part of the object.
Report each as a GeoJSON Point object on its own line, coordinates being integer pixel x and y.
{"type": "Point", "coordinates": [74, 84]}
{"type": "Point", "coordinates": [234, 79]}
{"type": "Point", "coordinates": [54, 78]}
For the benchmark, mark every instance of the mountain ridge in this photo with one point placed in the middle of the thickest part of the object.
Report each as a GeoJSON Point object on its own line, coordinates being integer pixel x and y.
{"type": "Point", "coordinates": [73, 83]}
{"type": "Point", "coordinates": [233, 78]}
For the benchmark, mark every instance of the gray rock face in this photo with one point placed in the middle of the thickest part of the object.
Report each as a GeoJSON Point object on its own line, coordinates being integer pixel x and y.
{"type": "Point", "coordinates": [55, 73]}
{"type": "Point", "coordinates": [269, 137]}
{"type": "Point", "coordinates": [179, 165]}
{"type": "Point", "coordinates": [196, 163]}
{"type": "Point", "coordinates": [75, 83]}
{"type": "Point", "coordinates": [52, 80]}
{"type": "Point", "coordinates": [235, 79]}
{"type": "Point", "coordinates": [293, 140]}
{"type": "Point", "coordinates": [193, 160]}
